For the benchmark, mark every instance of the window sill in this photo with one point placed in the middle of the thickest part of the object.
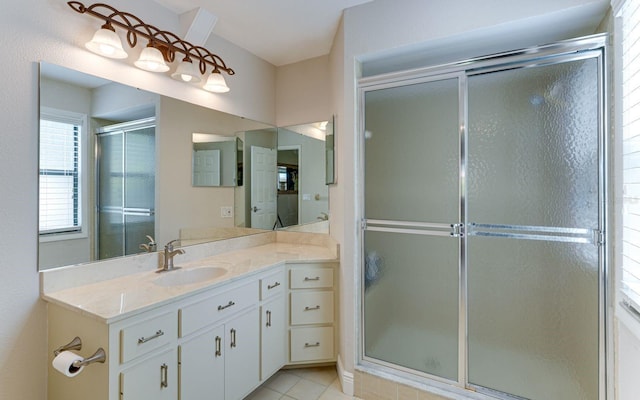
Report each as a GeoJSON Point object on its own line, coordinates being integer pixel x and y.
{"type": "Point", "coordinates": [62, 237]}
{"type": "Point", "coordinates": [628, 317]}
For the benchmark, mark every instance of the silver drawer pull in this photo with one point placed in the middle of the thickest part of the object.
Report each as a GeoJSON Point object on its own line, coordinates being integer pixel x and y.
{"type": "Point", "coordinates": [146, 339]}
{"type": "Point", "coordinates": [275, 285]}
{"type": "Point", "coordinates": [229, 304]}
{"type": "Point", "coordinates": [311, 308]}
{"type": "Point", "coordinates": [164, 376]}
{"type": "Point", "coordinates": [218, 346]}
{"type": "Point", "coordinates": [306, 278]}
{"type": "Point", "coordinates": [316, 344]}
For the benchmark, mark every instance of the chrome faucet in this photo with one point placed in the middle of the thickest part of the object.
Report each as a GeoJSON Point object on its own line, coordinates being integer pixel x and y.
{"type": "Point", "coordinates": [169, 253]}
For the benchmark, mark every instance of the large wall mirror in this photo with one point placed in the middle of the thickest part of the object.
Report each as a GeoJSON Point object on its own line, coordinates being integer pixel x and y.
{"type": "Point", "coordinates": [125, 172]}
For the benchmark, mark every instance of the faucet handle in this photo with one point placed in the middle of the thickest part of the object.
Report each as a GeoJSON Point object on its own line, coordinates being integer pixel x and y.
{"type": "Point", "coordinates": [169, 246]}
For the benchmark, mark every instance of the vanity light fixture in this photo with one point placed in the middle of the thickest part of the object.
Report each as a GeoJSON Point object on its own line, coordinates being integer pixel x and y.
{"type": "Point", "coordinates": [152, 60]}
{"type": "Point", "coordinates": [106, 42]}
{"type": "Point", "coordinates": [160, 51]}
{"type": "Point", "coordinates": [186, 72]}
{"type": "Point", "coordinates": [216, 83]}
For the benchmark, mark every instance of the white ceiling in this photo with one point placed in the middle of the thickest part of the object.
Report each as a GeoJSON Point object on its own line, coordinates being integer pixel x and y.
{"type": "Point", "coordinates": [279, 31]}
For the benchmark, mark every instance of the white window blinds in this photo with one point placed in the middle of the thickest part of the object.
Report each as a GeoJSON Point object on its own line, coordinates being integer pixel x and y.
{"type": "Point", "coordinates": [60, 136]}
{"type": "Point", "coordinates": [630, 14]}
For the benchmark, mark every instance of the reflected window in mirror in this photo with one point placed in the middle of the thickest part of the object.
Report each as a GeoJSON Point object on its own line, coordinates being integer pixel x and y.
{"type": "Point", "coordinates": [62, 135]}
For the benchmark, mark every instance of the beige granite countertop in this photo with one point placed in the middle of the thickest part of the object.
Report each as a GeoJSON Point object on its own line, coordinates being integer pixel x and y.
{"type": "Point", "coordinates": [113, 299]}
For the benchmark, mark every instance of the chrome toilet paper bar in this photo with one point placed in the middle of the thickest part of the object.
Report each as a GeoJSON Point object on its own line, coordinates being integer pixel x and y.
{"type": "Point", "coordinates": [76, 344]}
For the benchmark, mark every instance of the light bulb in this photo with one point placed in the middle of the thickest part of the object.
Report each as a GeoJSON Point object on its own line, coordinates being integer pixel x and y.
{"type": "Point", "coordinates": [216, 83]}
{"type": "Point", "coordinates": [186, 72]}
{"type": "Point", "coordinates": [106, 42]}
{"type": "Point", "coordinates": [151, 59]}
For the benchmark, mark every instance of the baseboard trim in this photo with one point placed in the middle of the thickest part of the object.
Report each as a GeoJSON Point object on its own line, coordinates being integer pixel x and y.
{"type": "Point", "coordinates": [346, 378]}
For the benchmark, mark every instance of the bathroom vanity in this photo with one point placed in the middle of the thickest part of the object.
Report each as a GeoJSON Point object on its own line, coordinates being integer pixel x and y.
{"type": "Point", "coordinates": [220, 325]}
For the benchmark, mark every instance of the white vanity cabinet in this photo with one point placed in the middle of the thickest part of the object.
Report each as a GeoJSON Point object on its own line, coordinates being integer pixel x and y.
{"type": "Point", "coordinates": [273, 323]}
{"type": "Point", "coordinates": [155, 378]}
{"type": "Point", "coordinates": [312, 313]}
{"type": "Point", "coordinates": [216, 343]}
{"type": "Point", "coordinates": [220, 353]}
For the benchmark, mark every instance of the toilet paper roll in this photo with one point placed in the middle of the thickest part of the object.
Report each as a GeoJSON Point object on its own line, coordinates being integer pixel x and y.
{"type": "Point", "coordinates": [63, 363]}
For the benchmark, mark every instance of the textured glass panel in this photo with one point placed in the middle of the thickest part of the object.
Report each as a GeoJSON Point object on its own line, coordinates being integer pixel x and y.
{"type": "Point", "coordinates": [140, 169]}
{"type": "Point", "coordinates": [533, 318]}
{"type": "Point", "coordinates": [136, 228]}
{"type": "Point", "coordinates": [110, 170]}
{"type": "Point", "coordinates": [411, 301]}
{"type": "Point", "coordinates": [411, 152]}
{"type": "Point", "coordinates": [533, 146]}
{"type": "Point", "coordinates": [533, 160]}
{"type": "Point", "coordinates": [110, 234]}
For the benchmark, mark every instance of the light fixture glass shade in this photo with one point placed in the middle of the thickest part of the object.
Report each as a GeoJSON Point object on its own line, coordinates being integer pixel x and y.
{"type": "Point", "coordinates": [216, 83]}
{"type": "Point", "coordinates": [106, 43]}
{"type": "Point", "coordinates": [187, 72]}
{"type": "Point", "coordinates": [151, 59]}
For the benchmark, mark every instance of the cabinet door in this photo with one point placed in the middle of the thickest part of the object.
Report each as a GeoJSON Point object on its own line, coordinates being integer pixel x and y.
{"type": "Point", "coordinates": [242, 356]}
{"type": "Point", "coordinates": [273, 337]}
{"type": "Point", "coordinates": [202, 366]}
{"type": "Point", "coordinates": [155, 378]}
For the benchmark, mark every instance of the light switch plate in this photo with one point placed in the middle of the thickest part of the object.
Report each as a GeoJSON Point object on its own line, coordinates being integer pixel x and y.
{"type": "Point", "coordinates": [226, 212]}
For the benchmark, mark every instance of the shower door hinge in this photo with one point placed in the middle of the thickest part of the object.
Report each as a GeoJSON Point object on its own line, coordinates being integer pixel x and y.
{"type": "Point", "coordinates": [457, 230]}
{"type": "Point", "coordinates": [600, 237]}
{"type": "Point", "coordinates": [363, 224]}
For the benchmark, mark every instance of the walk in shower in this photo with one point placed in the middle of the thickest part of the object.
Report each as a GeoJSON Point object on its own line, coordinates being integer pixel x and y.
{"type": "Point", "coordinates": [484, 216]}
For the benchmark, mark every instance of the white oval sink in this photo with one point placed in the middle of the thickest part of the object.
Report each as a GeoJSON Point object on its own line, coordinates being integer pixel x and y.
{"type": "Point", "coordinates": [189, 276]}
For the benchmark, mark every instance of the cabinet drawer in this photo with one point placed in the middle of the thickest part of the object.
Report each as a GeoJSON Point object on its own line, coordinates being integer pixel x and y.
{"type": "Point", "coordinates": [272, 284]}
{"type": "Point", "coordinates": [311, 307]}
{"type": "Point", "coordinates": [215, 308]}
{"type": "Point", "coordinates": [145, 336]}
{"type": "Point", "coordinates": [309, 344]}
{"type": "Point", "coordinates": [311, 277]}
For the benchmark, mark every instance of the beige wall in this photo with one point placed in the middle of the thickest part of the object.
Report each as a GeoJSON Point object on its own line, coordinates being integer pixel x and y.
{"type": "Point", "coordinates": [303, 92]}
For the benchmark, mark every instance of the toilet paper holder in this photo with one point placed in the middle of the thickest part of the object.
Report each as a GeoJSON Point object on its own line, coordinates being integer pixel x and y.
{"type": "Point", "coordinates": [76, 344]}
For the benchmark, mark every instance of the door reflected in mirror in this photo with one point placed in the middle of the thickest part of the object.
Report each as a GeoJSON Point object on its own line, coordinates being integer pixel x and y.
{"type": "Point", "coordinates": [216, 160]}
{"type": "Point", "coordinates": [303, 195]}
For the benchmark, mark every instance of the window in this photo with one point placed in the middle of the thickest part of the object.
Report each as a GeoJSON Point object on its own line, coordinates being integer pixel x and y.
{"type": "Point", "coordinates": [630, 124]}
{"type": "Point", "coordinates": [60, 172]}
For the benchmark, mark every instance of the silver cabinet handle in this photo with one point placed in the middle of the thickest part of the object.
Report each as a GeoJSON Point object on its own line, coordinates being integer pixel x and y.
{"type": "Point", "coordinates": [229, 304]}
{"type": "Point", "coordinates": [218, 346]}
{"type": "Point", "coordinates": [164, 376]}
{"type": "Point", "coordinates": [311, 308]}
{"type": "Point", "coordinates": [268, 318]}
{"type": "Point", "coordinates": [316, 344]}
{"type": "Point", "coordinates": [146, 339]}
{"type": "Point", "coordinates": [233, 338]}
{"type": "Point", "coordinates": [306, 278]}
{"type": "Point", "coordinates": [275, 285]}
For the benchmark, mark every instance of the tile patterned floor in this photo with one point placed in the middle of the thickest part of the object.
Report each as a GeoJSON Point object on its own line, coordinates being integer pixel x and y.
{"type": "Point", "coordinates": [319, 383]}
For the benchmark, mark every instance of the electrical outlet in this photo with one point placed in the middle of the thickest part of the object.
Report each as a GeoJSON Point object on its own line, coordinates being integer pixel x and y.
{"type": "Point", "coordinates": [226, 212]}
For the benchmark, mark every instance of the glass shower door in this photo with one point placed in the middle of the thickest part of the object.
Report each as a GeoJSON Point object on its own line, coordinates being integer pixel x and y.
{"type": "Point", "coordinates": [126, 187]}
{"type": "Point", "coordinates": [139, 195]}
{"type": "Point", "coordinates": [411, 251]}
{"type": "Point", "coordinates": [533, 232]}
